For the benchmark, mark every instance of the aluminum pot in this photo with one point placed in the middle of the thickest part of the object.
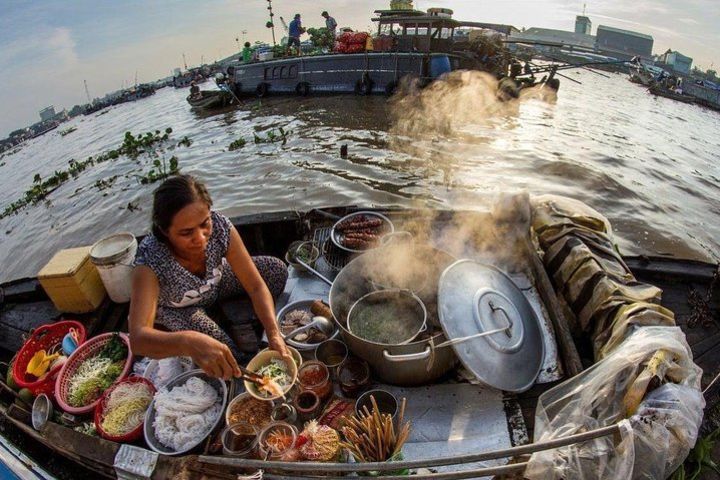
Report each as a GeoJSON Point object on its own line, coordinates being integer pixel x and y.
{"type": "Point", "coordinates": [411, 364]}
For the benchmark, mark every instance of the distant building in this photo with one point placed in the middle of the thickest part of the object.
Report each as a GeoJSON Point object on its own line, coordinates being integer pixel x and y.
{"type": "Point", "coordinates": [554, 38]}
{"type": "Point", "coordinates": [676, 61]}
{"type": "Point", "coordinates": [623, 44]}
{"type": "Point", "coordinates": [583, 25]}
{"type": "Point", "coordinates": [47, 113]}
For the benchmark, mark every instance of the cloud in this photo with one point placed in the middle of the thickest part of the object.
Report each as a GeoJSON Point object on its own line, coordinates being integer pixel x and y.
{"type": "Point", "coordinates": [46, 45]}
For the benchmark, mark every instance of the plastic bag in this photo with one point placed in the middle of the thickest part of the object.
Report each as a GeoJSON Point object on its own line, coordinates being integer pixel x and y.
{"type": "Point", "coordinates": [653, 441]}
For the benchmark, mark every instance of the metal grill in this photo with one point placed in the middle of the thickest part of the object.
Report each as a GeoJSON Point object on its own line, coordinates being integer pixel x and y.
{"type": "Point", "coordinates": [332, 259]}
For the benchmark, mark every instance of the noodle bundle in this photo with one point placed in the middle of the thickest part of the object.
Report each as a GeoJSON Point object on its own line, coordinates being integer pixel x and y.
{"type": "Point", "coordinates": [186, 414]}
{"type": "Point", "coordinates": [125, 408]}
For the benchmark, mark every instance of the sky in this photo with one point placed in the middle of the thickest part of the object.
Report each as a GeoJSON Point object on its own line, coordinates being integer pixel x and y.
{"type": "Point", "coordinates": [48, 47]}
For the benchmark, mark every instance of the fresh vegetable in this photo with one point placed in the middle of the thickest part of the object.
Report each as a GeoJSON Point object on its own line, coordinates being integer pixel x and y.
{"type": "Point", "coordinates": [125, 408]}
{"type": "Point", "coordinates": [91, 379]}
{"type": "Point", "coordinates": [26, 396]}
{"type": "Point", "coordinates": [115, 349]}
{"type": "Point", "coordinates": [276, 373]}
{"type": "Point", "coordinates": [10, 379]}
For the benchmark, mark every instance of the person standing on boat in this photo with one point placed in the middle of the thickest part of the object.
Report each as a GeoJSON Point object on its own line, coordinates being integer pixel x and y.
{"type": "Point", "coordinates": [295, 29]}
{"type": "Point", "coordinates": [330, 23]}
{"type": "Point", "coordinates": [193, 258]}
{"type": "Point", "coordinates": [194, 90]}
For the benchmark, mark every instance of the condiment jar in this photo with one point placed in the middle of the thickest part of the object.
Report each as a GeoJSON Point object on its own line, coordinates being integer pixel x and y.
{"type": "Point", "coordinates": [240, 439]}
{"type": "Point", "coordinates": [282, 428]}
{"type": "Point", "coordinates": [354, 377]}
{"type": "Point", "coordinates": [307, 404]}
{"type": "Point", "coordinates": [315, 376]}
{"type": "Point", "coordinates": [284, 412]}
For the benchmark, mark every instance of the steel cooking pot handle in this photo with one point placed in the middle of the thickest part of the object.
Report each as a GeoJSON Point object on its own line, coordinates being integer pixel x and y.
{"type": "Point", "coordinates": [407, 357]}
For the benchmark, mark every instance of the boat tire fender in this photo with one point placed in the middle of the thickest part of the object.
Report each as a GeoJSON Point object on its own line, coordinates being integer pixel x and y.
{"type": "Point", "coordinates": [261, 90]}
{"type": "Point", "coordinates": [302, 89]}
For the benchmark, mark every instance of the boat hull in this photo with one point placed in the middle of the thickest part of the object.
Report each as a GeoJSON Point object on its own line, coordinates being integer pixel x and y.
{"type": "Point", "coordinates": [367, 73]}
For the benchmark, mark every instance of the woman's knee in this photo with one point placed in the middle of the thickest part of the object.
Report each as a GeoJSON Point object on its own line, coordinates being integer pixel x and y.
{"type": "Point", "coordinates": [274, 272]}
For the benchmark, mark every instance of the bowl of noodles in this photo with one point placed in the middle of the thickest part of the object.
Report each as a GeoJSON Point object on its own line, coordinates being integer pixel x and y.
{"type": "Point", "coordinates": [120, 414]}
{"type": "Point", "coordinates": [281, 376]}
{"type": "Point", "coordinates": [184, 412]}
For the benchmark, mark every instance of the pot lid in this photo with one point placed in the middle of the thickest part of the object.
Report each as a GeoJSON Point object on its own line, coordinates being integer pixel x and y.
{"type": "Point", "coordinates": [474, 298]}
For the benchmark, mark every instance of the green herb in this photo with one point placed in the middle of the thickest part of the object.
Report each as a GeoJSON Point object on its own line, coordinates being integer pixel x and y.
{"type": "Point", "coordinates": [115, 349]}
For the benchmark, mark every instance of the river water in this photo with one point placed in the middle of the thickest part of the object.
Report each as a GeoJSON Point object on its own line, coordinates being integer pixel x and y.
{"type": "Point", "coordinates": [649, 164]}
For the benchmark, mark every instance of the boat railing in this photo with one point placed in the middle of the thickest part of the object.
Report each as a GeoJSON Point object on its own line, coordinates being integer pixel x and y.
{"type": "Point", "coordinates": [311, 468]}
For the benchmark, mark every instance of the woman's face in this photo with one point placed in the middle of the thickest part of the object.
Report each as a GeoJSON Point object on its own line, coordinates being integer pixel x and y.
{"type": "Point", "coordinates": [190, 229]}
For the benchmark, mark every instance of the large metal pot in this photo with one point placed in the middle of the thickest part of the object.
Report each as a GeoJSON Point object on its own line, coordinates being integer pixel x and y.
{"type": "Point", "coordinates": [411, 364]}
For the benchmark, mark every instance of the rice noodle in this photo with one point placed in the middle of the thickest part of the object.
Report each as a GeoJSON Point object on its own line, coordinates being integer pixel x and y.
{"type": "Point", "coordinates": [186, 414]}
{"type": "Point", "coordinates": [125, 408]}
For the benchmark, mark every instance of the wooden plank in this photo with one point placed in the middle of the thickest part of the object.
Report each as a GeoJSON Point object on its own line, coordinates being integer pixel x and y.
{"type": "Point", "coordinates": [23, 290]}
{"type": "Point", "coordinates": [26, 316]}
{"type": "Point", "coordinates": [568, 350]}
{"type": "Point", "coordinates": [671, 268]}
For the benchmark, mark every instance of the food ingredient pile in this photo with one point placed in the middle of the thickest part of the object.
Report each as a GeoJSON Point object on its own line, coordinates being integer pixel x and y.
{"type": "Point", "coordinates": [97, 373]}
{"type": "Point", "coordinates": [185, 414]}
{"type": "Point", "coordinates": [125, 408]}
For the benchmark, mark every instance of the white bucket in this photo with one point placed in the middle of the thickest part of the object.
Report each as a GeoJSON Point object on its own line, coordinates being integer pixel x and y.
{"type": "Point", "coordinates": [113, 256]}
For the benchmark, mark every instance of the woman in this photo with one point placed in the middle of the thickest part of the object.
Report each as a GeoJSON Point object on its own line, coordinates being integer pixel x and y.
{"type": "Point", "coordinates": [194, 257]}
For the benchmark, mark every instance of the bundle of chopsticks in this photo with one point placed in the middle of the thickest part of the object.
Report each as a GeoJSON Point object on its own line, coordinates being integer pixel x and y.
{"type": "Point", "coordinates": [371, 437]}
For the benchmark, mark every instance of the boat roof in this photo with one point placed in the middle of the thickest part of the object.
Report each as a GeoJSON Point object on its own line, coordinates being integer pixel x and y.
{"type": "Point", "coordinates": [424, 18]}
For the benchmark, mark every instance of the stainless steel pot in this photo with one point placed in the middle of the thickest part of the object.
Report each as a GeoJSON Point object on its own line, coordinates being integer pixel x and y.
{"type": "Point", "coordinates": [411, 364]}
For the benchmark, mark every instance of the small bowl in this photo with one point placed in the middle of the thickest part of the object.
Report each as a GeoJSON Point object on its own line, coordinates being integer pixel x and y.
{"type": "Point", "coordinates": [293, 351]}
{"type": "Point", "coordinates": [353, 376]}
{"type": "Point", "coordinates": [332, 353]}
{"type": "Point", "coordinates": [240, 440]}
{"type": "Point", "coordinates": [242, 398]}
{"type": "Point", "coordinates": [260, 360]}
{"type": "Point", "coordinates": [294, 246]}
{"type": "Point", "coordinates": [284, 427]}
{"type": "Point", "coordinates": [386, 402]}
{"type": "Point", "coordinates": [42, 410]}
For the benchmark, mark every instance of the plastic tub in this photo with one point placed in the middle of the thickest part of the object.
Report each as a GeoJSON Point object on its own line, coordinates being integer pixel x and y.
{"type": "Point", "coordinates": [135, 433]}
{"type": "Point", "coordinates": [113, 256]}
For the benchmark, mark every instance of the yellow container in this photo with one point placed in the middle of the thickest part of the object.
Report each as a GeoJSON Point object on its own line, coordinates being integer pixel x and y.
{"type": "Point", "coordinates": [72, 281]}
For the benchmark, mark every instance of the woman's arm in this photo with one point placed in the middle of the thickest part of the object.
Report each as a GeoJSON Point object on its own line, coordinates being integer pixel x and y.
{"type": "Point", "coordinates": [212, 356]}
{"type": "Point", "coordinates": [253, 283]}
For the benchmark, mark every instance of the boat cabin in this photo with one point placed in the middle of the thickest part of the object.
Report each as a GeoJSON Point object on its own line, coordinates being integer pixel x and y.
{"type": "Point", "coordinates": [415, 31]}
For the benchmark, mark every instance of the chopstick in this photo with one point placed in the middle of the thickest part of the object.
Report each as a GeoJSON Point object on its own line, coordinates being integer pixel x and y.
{"type": "Point", "coordinates": [251, 376]}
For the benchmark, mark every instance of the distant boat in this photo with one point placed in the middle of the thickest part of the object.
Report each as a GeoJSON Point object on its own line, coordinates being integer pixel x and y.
{"type": "Point", "coordinates": [210, 99]}
{"type": "Point", "coordinates": [664, 92]}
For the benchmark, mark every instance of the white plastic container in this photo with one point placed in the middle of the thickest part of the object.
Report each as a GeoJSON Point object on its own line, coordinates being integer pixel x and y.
{"type": "Point", "coordinates": [262, 56]}
{"type": "Point", "coordinates": [113, 256]}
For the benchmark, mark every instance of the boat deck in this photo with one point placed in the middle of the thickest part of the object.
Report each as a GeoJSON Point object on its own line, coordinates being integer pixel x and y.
{"type": "Point", "coordinates": [25, 306]}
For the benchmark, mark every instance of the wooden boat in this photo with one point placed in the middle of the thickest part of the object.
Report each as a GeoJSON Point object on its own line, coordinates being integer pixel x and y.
{"type": "Point", "coordinates": [208, 99]}
{"type": "Point", "coordinates": [664, 92]}
{"type": "Point", "coordinates": [25, 306]}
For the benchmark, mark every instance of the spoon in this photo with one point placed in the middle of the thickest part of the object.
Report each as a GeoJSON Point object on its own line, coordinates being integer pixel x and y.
{"type": "Point", "coordinates": [318, 323]}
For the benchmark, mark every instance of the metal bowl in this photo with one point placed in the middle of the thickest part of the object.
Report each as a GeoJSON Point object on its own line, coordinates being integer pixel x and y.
{"type": "Point", "coordinates": [301, 305]}
{"type": "Point", "coordinates": [385, 297]}
{"type": "Point", "coordinates": [337, 236]}
{"type": "Point", "coordinates": [42, 410]}
{"type": "Point", "coordinates": [149, 429]}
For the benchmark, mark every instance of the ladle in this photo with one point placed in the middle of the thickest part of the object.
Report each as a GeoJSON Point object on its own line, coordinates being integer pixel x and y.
{"type": "Point", "coordinates": [314, 272]}
{"type": "Point", "coordinates": [319, 323]}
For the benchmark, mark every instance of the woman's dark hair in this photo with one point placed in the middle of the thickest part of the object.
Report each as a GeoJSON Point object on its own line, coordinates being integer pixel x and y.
{"type": "Point", "coordinates": [173, 195]}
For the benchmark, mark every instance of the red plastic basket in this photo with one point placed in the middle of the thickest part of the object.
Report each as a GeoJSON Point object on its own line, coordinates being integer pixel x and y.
{"type": "Point", "coordinates": [102, 404]}
{"type": "Point", "coordinates": [88, 349]}
{"type": "Point", "coordinates": [43, 338]}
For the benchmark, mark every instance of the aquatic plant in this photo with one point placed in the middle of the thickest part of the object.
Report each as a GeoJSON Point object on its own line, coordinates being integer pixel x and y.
{"type": "Point", "coordinates": [132, 147]}
{"type": "Point", "coordinates": [104, 184]}
{"type": "Point", "coordinates": [272, 137]}
{"type": "Point", "coordinates": [160, 171]}
{"type": "Point", "coordinates": [237, 144]}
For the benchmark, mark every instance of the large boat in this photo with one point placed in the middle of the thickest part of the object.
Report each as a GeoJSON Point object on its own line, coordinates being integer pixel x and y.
{"type": "Point", "coordinates": [461, 429]}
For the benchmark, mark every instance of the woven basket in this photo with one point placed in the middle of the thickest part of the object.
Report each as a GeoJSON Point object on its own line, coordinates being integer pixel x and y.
{"type": "Point", "coordinates": [43, 338]}
{"type": "Point", "coordinates": [102, 405]}
{"type": "Point", "coordinates": [88, 349]}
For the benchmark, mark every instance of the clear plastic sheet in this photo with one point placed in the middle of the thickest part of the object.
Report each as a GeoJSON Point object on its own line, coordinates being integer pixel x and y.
{"type": "Point", "coordinates": [654, 364]}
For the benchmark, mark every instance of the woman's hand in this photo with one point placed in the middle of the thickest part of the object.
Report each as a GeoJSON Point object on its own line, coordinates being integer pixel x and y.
{"type": "Point", "coordinates": [213, 356]}
{"type": "Point", "coordinates": [278, 344]}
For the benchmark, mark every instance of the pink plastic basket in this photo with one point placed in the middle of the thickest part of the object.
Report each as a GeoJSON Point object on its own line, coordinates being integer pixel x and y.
{"type": "Point", "coordinates": [86, 350]}
{"type": "Point", "coordinates": [102, 405]}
